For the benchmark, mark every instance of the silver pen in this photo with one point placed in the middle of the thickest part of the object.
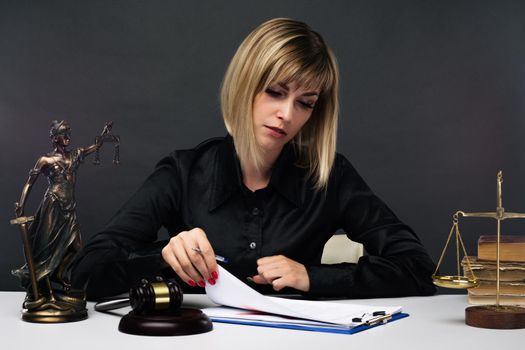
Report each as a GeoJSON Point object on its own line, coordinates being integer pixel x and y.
{"type": "Point", "coordinates": [219, 258]}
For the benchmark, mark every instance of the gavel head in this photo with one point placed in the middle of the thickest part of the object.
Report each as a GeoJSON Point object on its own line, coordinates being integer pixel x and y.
{"type": "Point", "coordinates": [159, 297]}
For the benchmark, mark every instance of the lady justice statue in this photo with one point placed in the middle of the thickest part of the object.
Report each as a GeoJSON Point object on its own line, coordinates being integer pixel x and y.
{"type": "Point", "coordinates": [53, 238]}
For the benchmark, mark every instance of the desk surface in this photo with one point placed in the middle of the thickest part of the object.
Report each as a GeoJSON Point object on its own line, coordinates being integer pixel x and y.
{"type": "Point", "coordinates": [435, 323]}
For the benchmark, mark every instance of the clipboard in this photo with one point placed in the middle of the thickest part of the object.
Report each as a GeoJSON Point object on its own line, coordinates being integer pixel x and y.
{"type": "Point", "coordinates": [244, 317]}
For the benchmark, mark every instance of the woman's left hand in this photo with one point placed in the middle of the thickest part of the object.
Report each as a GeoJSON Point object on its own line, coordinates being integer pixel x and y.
{"type": "Point", "coordinates": [280, 272]}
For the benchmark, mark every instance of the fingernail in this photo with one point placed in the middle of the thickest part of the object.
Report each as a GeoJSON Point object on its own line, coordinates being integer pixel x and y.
{"type": "Point", "coordinates": [202, 284]}
{"type": "Point", "coordinates": [215, 275]}
{"type": "Point", "coordinates": [212, 281]}
{"type": "Point", "coordinates": [192, 283]}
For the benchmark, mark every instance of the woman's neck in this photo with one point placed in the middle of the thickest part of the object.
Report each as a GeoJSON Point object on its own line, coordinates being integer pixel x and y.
{"type": "Point", "coordinates": [256, 178]}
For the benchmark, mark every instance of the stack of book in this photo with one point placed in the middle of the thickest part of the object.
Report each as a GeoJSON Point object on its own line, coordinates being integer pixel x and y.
{"type": "Point", "coordinates": [512, 271]}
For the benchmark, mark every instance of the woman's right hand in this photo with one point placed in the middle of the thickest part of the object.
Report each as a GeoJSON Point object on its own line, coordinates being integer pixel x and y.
{"type": "Point", "coordinates": [191, 256]}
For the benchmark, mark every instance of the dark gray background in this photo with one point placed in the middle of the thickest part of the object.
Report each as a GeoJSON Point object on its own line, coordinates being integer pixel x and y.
{"type": "Point", "coordinates": [431, 98]}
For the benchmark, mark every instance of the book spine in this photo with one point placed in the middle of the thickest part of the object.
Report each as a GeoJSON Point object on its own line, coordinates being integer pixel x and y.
{"type": "Point", "coordinates": [514, 251]}
{"type": "Point", "coordinates": [491, 300]}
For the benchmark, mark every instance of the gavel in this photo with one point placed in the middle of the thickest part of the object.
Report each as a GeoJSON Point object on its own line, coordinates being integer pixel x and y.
{"type": "Point", "coordinates": [157, 310]}
{"type": "Point", "coordinates": [164, 296]}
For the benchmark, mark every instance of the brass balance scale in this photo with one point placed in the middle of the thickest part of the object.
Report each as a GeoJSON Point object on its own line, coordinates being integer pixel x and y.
{"type": "Point", "coordinates": [485, 316]}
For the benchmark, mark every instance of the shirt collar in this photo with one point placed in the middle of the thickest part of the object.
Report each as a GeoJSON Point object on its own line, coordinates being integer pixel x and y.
{"type": "Point", "coordinates": [286, 175]}
{"type": "Point", "coordinates": [227, 177]}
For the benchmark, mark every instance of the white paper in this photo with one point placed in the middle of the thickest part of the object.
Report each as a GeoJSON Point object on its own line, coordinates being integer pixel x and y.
{"type": "Point", "coordinates": [235, 315]}
{"type": "Point", "coordinates": [229, 291]}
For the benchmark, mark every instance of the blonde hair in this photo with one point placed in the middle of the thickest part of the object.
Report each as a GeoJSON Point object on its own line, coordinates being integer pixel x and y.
{"type": "Point", "coordinates": [284, 50]}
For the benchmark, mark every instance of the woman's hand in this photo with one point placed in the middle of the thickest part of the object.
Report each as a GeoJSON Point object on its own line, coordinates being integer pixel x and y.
{"type": "Point", "coordinates": [280, 272]}
{"type": "Point", "coordinates": [191, 256]}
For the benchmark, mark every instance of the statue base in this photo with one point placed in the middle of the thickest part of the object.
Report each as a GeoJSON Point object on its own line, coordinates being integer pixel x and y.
{"type": "Point", "coordinates": [67, 307]}
{"type": "Point", "coordinates": [49, 313]}
{"type": "Point", "coordinates": [495, 317]}
{"type": "Point", "coordinates": [187, 321]}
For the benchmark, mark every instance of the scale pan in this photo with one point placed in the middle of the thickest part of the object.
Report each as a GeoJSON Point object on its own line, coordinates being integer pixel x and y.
{"type": "Point", "coordinates": [456, 282]}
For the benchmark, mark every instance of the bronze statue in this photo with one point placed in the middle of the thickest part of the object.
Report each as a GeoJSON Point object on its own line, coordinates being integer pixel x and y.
{"type": "Point", "coordinates": [53, 238]}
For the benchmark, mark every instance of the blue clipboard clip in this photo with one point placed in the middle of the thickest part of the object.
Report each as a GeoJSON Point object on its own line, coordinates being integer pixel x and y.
{"type": "Point", "coordinates": [378, 317]}
{"type": "Point", "coordinates": [382, 319]}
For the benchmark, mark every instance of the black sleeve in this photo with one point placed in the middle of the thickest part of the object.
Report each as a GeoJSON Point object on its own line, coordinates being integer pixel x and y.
{"type": "Point", "coordinates": [126, 250]}
{"type": "Point", "coordinates": [396, 263]}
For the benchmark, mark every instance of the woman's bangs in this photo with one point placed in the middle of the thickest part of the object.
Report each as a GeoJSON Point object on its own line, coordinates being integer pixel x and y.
{"type": "Point", "coordinates": [307, 74]}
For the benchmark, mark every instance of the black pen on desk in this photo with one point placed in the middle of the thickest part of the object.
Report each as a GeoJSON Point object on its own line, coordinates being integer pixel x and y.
{"type": "Point", "coordinates": [219, 258]}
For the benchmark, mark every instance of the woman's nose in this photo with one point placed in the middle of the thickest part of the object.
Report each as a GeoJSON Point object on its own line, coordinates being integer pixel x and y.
{"type": "Point", "coordinates": [285, 109]}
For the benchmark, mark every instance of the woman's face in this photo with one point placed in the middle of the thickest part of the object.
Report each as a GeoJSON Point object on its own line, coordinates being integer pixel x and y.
{"type": "Point", "coordinates": [280, 112]}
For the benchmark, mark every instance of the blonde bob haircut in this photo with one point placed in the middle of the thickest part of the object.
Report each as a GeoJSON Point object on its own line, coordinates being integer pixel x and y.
{"type": "Point", "coordinates": [283, 50]}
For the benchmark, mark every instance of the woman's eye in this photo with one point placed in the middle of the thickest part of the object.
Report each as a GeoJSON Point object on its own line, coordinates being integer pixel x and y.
{"type": "Point", "coordinates": [272, 92]}
{"type": "Point", "coordinates": [308, 105]}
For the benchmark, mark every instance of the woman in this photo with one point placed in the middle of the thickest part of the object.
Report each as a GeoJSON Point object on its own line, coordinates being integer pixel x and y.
{"type": "Point", "coordinates": [267, 196]}
{"type": "Point", "coordinates": [55, 234]}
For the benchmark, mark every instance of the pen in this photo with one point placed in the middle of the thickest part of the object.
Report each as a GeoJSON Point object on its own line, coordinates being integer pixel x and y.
{"type": "Point", "coordinates": [219, 258]}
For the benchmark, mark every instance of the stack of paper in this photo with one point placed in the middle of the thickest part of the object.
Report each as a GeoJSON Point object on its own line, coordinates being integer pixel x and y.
{"type": "Point", "coordinates": [247, 306]}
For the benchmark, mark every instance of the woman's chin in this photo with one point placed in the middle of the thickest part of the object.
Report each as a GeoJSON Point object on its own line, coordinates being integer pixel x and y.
{"type": "Point", "coordinates": [270, 146]}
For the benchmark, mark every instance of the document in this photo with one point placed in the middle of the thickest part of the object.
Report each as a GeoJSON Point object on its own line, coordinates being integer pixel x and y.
{"type": "Point", "coordinates": [251, 307]}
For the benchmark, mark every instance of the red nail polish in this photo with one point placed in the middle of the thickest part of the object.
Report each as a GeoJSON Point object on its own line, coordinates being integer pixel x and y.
{"type": "Point", "coordinates": [212, 281]}
{"type": "Point", "coordinates": [215, 275]}
{"type": "Point", "coordinates": [202, 284]}
{"type": "Point", "coordinates": [192, 283]}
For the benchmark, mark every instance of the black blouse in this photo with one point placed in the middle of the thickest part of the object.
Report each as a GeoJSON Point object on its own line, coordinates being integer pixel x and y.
{"type": "Point", "coordinates": [203, 187]}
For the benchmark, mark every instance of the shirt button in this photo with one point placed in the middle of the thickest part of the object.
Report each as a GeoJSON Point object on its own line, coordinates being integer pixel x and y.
{"type": "Point", "coordinates": [253, 245]}
{"type": "Point", "coordinates": [255, 211]}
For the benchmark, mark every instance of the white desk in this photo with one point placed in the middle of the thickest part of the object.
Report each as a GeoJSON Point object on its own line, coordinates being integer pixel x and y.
{"type": "Point", "coordinates": [434, 323]}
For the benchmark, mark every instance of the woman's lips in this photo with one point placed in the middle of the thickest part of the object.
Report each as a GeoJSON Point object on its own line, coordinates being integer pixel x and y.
{"type": "Point", "coordinates": [276, 130]}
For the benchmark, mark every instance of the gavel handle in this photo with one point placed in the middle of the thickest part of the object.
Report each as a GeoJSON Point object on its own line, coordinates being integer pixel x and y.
{"type": "Point", "coordinates": [112, 303]}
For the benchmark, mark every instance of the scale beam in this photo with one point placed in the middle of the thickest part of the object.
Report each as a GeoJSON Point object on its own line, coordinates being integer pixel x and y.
{"type": "Point", "coordinates": [492, 215]}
